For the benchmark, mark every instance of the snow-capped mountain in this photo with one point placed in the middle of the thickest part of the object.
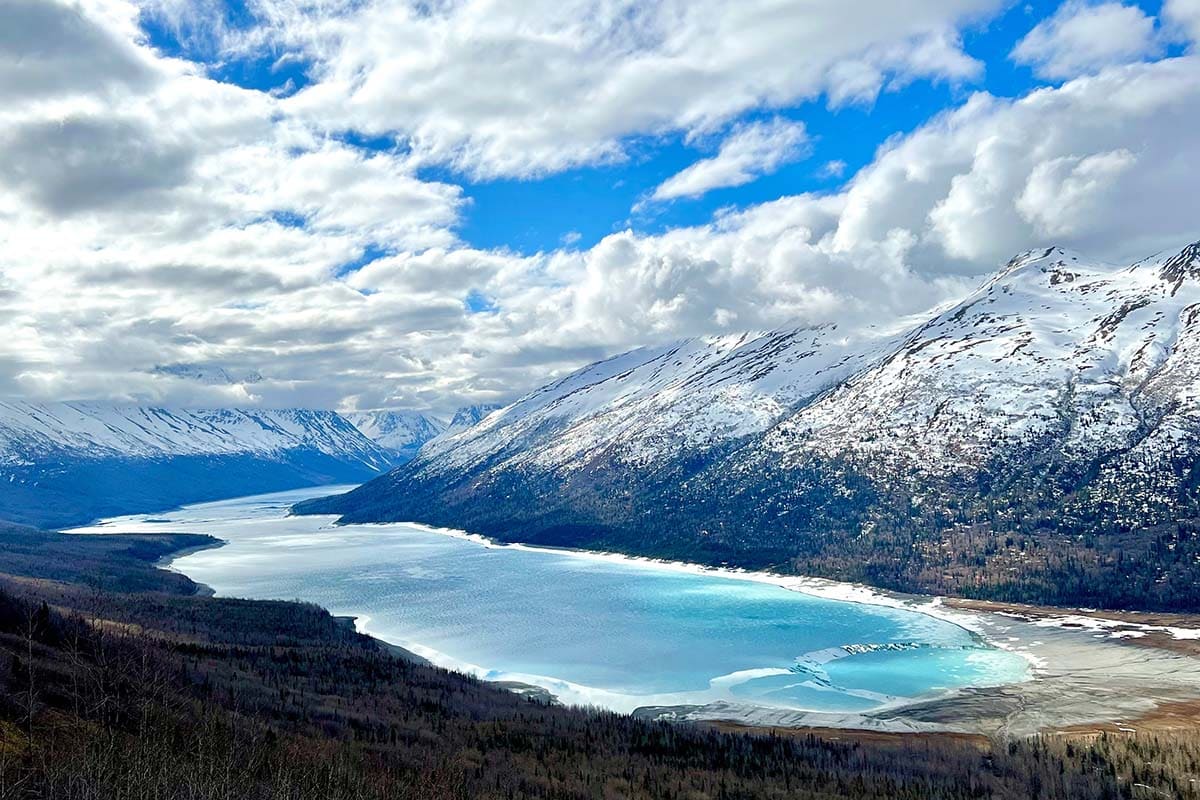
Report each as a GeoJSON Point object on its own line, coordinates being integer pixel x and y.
{"type": "Point", "coordinates": [1062, 397]}
{"type": "Point", "coordinates": [464, 418]}
{"type": "Point", "coordinates": [467, 416]}
{"type": "Point", "coordinates": [31, 432]}
{"type": "Point", "coordinates": [1090, 365]}
{"type": "Point", "coordinates": [655, 403]}
{"type": "Point", "coordinates": [68, 462]}
{"type": "Point", "coordinates": [400, 432]}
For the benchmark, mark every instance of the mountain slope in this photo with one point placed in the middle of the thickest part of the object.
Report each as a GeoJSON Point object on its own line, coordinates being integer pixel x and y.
{"type": "Point", "coordinates": [464, 418]}
{"type": "Point", "coordinates": [401, 433]}
{"type": "Point", "coordinates": [1033, 441]}
{"type": "Point", "coordinates": [63, 463]}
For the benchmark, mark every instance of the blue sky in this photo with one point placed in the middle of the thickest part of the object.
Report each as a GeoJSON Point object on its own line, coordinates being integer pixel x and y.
{"type": "Point", "coordinates": [579, 206]}
{"type": "Point", "coordinates": [391, 204]}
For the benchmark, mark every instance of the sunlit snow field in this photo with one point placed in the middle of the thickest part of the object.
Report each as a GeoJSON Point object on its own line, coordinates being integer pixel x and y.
{"type": "Point", "coordinates": [605, 631]}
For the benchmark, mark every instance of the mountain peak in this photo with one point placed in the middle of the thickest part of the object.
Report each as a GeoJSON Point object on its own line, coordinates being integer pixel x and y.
{"type": "Point", "coordinates": [1038, 257]}
{"type": "Point", "coordinates": [400, 431]}
{"type": "Point", "coordinates": [1181, 266]}
{"type": "Point", "coordinates": [467, 416]}
{"type": "Point", "coordinates": [1059, 263]}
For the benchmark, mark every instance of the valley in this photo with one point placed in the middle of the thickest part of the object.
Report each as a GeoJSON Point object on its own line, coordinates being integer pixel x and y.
{"type": "Point", "coordinates": [869, 534]}
{"type": "Point", "coordinates": [70, 463]}
{"type": "Point", "coordinates": [144, 687]}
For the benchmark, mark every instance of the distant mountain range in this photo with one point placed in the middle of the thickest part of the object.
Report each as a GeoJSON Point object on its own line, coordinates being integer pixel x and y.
{"type": "Point", "coordinates": [403, 433]}
{"type": "Point", "coordinates": [468, 416]}
{"type": "Point", "coordinates": [65, 463]}
{"type": "Point", "coordinates": [1035, 440]}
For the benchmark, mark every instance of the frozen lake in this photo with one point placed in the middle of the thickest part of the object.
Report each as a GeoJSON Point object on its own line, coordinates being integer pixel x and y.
{"type": "Point", "coordinates": [591, 629]}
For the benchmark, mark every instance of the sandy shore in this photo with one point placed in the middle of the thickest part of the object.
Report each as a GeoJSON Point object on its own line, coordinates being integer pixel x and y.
{"type": "Point", "coordinates": [1179, 633]}
{"type": "Point", "coordinates": [1089, 675]}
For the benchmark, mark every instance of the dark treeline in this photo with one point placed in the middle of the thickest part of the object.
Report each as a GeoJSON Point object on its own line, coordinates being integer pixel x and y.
{"type": "Point", "coordinates": [162, 694]}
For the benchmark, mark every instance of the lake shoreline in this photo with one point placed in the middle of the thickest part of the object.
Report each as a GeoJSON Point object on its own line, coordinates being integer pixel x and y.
{"type": "Point", "coordinates": [1060, 694]}
{"type": "Point", "coordinates": [1064, 688]}
{"type": "Point", "coordinates": [823, 588]}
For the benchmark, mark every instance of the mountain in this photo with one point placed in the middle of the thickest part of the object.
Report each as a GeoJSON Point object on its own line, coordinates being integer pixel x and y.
{"type": "Point", "coordinates": [468, 416]}
{"type": "Point", "coordinates": [464, 418]}
{"type": "Point", "coordinates": [1033, 441]}
{"type": "Point", "coordinates": [401, 433]}
{"type": "Point", "coordinates": [65, 463]}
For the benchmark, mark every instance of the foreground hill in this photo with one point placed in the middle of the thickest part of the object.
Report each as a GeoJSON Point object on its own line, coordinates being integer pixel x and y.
{"type": "Point", "coordinates": [65, 463]}
{"type": "Point", "coordinates": [1034, 441]}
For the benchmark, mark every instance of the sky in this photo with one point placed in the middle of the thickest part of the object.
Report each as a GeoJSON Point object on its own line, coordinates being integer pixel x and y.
{"type": "Point", "coordinates": [362, 204]}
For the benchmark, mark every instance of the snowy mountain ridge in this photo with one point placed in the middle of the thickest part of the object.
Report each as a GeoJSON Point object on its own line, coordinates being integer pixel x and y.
{"type": "Point", "coordinates": [657, 401]}
{"type": "Point", "coordinates": [32, 432]}
{"type": "Point", "coordinates": [400, 432]}
{"type": "Point", "coordinates": [1059, 399]}
{"type": "Point", "coordinates": [68, 463]}
{"type": "Point", "coordinates": [1089, 359]}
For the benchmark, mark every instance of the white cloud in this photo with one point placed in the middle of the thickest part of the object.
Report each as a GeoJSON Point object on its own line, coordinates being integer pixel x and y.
{"type": "Point", "coordinates": [748, 152]}
{"type": "Point", "coordinates": [1059, 163]}
{"type": "Point", "coordinates": [1082, 37]}
{"type": "Point", "coordinates": [1184, 15]}
{"type": "Point", "coordinates": [45, 51]}
{"type": "Point", "coordinates": [833, 169]}
{"type": "Point", "coordinates": [204, 223]}
{"type": "Point", "coordinates": [1062, 195]}
{"type": "Point", "coordinates": [522, 89]}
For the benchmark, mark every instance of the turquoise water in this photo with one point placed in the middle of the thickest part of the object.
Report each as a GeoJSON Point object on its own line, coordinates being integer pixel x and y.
{"type": "Point", "coordinates": [593, 630]}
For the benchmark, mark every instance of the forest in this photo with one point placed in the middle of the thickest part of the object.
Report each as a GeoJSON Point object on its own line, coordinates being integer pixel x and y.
{"type": "Point", "coordinates": [138, 686]}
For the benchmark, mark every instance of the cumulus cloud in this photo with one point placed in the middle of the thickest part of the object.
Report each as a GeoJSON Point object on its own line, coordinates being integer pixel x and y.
{"type": "Point", "coordinates": [1185, 16]}
{"type": "Point", "coordinates": [224, 228]}
{"type": "Point", "coordinates": [1082, 37]}
{"type": "Point", "coordinates": [522, 89]}
{"type": "Point", "coordinates": [46, 47]}
{"type": "Point", "coordinates": [749, 151]}
{"type": "Point", "coordinates": [84, 162]}
{"type": "Point", "coordinates": [1058, 163]}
